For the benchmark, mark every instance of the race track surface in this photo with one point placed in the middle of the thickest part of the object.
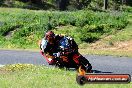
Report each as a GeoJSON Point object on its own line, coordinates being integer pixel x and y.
{"type": "Point", "coordinates": [101, 64]}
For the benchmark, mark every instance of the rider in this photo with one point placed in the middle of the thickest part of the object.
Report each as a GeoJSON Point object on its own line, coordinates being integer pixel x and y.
{"type": "Point", "coordinates": [51, 44]}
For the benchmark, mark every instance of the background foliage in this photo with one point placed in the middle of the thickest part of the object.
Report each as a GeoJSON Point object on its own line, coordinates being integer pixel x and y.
{"type": "Point", "coordinates": [64, 4]}
{"type": "Point", "coordinates": [84, 20]}
{"type": "Point", "coordinates": [21, 28]}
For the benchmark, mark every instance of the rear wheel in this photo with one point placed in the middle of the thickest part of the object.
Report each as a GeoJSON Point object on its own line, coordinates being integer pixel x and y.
{"type": "Point", "coordinates": [85, 64]}
{"type": "Point", "coordinates": [89, 69]}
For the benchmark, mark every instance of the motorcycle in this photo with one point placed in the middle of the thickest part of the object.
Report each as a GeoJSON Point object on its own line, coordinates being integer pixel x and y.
{"type": "Point", "coordinates": [68, 60]}
{"type": "Point", "coordinates": [66, 57]}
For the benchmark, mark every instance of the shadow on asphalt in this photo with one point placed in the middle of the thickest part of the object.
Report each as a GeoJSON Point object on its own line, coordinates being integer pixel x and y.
{"type": "Point", "coordinates": [97, 71]}
{"type": "Point", "coordinates": [73, 69]}
{"type": "Point", "coordinates": [93, 71]}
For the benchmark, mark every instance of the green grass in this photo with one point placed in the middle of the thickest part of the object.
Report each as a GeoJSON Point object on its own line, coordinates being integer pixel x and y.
{"type": "Point", "coordinates": [45, 77]}
{"type": "Point", "coordinates": [123, 35]}
{"type": "Point", "coordinates": [29, 26]}
{"type": "Point", "coordinates": [118, 53]}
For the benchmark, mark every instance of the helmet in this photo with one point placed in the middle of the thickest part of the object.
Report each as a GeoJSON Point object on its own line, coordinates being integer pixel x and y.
{"type": "Point", "coordinates": [50, 36]}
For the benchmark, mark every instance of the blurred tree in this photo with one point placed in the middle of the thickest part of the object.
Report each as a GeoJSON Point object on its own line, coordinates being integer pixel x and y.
{"type": "Point", "coordinates": [128, 2]}
{"type": "Point", "coordinates": [68, 4]}
{"type": "Point", "coordinates": [105, 4]}
{"type": "Point", "coordinates": [82, 3]}
{"type": "Point", "coordinates": [1, 2]}
{"type": "Point", "coordinates": [62, 4]}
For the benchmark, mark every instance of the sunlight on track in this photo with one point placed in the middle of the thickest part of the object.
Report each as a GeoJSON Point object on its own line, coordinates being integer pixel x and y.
{"type": "Point", "coordinates": [1, 65]}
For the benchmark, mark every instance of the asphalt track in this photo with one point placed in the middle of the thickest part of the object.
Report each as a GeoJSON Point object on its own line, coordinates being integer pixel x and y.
{"type": "Point", "coordinates": [101, 64]}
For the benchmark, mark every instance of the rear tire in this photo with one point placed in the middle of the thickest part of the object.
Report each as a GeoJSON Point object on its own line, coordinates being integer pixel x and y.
{"type": "Point", "coordinates": [89, 69]}
{"type": "Point", "coordinates": [85, 64]}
